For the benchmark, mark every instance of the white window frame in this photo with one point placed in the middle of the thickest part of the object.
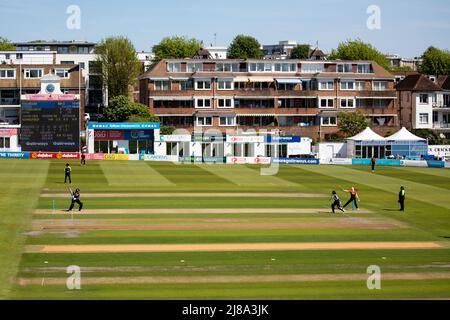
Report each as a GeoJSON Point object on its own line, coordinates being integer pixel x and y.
{"type": "Point", "coordinates": [190, 64]}
{"type": "Point", "coordinates": [219, 81]}
{"type": "Point", "coordinates": [161, 87]}
{"type": "Point", "coordinates": [328, 100]}
{"type": "Point", "coordinates": [327, 82]}
{"type": "Point", "coordinates": [312, 67]}
{"type": "Point", "coordinates": [65, 71]}
{"type": "Point", "coordinates": [171, 65]}
{"type": "Point", "coordinates": [228, 124]}
{"type": "Point", "coordinates": [225, 99]}
{"type": "Point", "coordinates": [420, 98]}
{"type": "Point", "coordinates": [6, 74]}
{"type": "Point", "coordinates": [28, 70]}
{"type": "Point", "coordinates": [427, 116]}
{"type": "Point", "coordinates": [204, 81]}
{"type": "Point", "coordinates": [353, 100]}
{"type": "Point", "coordinates": [358, 87]}
{"type": "Point", "coordinates": [366, 68]}
{"type": "Point", "coordinates": [347, 82]}
{"type": "Point", "coordinates": [198, 124]}
{"type": "Point", "coordinates": [376, 87]}
{"type": "Point", "coordinates": [344, 65]}
{"type": "Point", "coordinates": [203, 100]}
{"type": "Point", "coordinates": [328, 124]}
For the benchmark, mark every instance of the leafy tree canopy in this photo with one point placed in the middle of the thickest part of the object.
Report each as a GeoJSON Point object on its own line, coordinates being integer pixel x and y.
{"type": "Point", "coordinates": [176, 47]}
{"type": "Point", "coordinates": [245, 47]}
{"type": "Point", "coordinates": [119, 64]}
{"type": "Point", "coordinates": [435, 62]}
{"type": "Point", "coordinates": [121, 109]}
{"type": "Point", "coordinates": [301, 51]}
{"type": "Point", "coordinates": [352, 123]}
{"type": "Point", "coordinates": [6, 45]}
{"type": "Point", "coordinates": [359, 50]}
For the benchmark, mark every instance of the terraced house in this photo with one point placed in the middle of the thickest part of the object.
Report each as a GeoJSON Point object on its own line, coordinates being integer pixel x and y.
{"type": "Point", "coordinates": [295, 97]}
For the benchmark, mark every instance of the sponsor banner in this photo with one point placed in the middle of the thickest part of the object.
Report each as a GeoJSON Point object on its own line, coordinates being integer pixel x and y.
{"type": "Point", "coordinates": [214, 159]}
{"type": "Point", "coordinates": [435, 164]}
{"type": "Point", "coordinates": [447, 164]}
{"type": "Point", "coordinates": [109, 135]}
{"type": "Point", "coordinates": [115, 156]}
{"type": "Point", "coordinates": [245, 139]}
{"type": "Point", "coordinates": [209, 138]}
{"type": "Point", "coordinates": [339, 161]}
{"type": "Point", "coordinates": [133, 135]}
{"type": "Point", "coordinates": [248, 160]}
{"type": "Point", "coordinates": [134, 157]}
{"type": "Point", "coordinates": [283, 139]}
{"type": "Point", "coordinates": [95, 156]}
{"type": "Point", "coordinates": [152, 157]}
{"type": "Point", "coordinates": [439, 150]}
{"type": "Point", "coordinates": [361, 162]}
{"type": "Point", "coordinates": [191, 159]}
{"type": "Point", "coordinates": [389, 162]}
{"type": "Point", "coordinates": [15, 155]}
{"type": "Point", "coordinates": [124, 125]}
{"type": "Point", "coordinates": [55, 155]}
{"type": "Point", "coordinates": [50, 97]}
{"type": "Point", "coordinates": [296, 161]}
{"type": "Point", "coordinates": [8, 132]}
{"type": "Point", "coordinates": [175, 138]}
{"type": "Point", "coordinates": [413, 163]}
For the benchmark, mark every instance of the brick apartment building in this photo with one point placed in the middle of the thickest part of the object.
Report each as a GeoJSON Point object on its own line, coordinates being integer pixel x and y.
{"type": "Point", "coordinates": [300, 97]}
{"type": "Point", "coordinates": [21, 79]}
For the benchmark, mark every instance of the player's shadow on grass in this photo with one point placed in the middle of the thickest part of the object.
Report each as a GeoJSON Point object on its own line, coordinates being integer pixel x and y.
{"type": "Point", "coordinates": [391, 210]}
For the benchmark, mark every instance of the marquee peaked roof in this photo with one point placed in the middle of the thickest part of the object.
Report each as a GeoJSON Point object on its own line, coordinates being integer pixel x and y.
{"type": "Point", "coordinates": [367, 135]}
{"type": "Point", "coordinates": [404, 135]}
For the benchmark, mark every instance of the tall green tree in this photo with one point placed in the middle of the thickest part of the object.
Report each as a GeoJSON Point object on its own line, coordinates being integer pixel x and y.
{"type": "Point", "coordinates": [301, 51]}
{"type": "Point", "coordinates": [121, 109]}
{"type": "Point", "coordinates": [352, 123]}
{"type": "Point", "coordinates": [433, 137]}
{"type": "Point", "coordinates": [359, 50]}
{"type": "Point", "coordinates": [6, 45]}
{"type": "Point", "coordinates": [176, 47]}
{"type": "Point", "coordinates": [245, 47]}
{"type": "Point", "coordinates": [119, 65]}
{"type": "Point", "coordinates": [435, 62]}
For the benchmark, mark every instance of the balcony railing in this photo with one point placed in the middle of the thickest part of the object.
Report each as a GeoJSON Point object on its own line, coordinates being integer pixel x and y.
{"type": "Point", "coordinates": [441, 125]}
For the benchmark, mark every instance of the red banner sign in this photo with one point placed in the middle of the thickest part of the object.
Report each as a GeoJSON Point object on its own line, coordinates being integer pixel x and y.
{"type": "Point", "coordinates": [8, 132]}
{"type": "Point", "coordinates": [109, 135]}
{"type": "Point", "coordinates": [55, 155]}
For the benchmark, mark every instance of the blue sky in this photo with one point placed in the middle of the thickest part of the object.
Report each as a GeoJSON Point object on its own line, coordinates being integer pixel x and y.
{"type": "Point", "coordinates": [408, 27]}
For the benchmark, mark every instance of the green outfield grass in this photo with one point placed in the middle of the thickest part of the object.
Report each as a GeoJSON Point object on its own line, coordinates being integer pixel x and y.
{"type": "Point", "coordinates": [40, 275]}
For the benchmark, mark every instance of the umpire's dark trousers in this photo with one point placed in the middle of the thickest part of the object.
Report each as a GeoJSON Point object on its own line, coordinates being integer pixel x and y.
{"type": "Point", "coordinates": [80, 204]}
{"type": "Point", "coordinates": [68, 176]}
{"type": "Point", "coordinates": [402, 204]}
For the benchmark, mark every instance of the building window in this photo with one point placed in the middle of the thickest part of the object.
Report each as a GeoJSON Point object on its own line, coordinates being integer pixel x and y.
{"type": "Point", "coordinates": [363, 68]}
{"type": "Point", "coordinates": [379, 85]}
{"type": "Point", "coordinates": [227, 121]}
{"type": "Point", "coordinates": [225, 103]}
{"type": "Point", "coordinates": [204, 121]}
{"type": "Point", "coordinates": [344, 68]}
{"type": "Point", "coordinates": [423, 118]}
{"type": "Point", "coordinates": [328, 120]}
{"type": "Point", "coordinates": [285, 67]}
{"type": "Point", "coordinates": [326, 103]}
{"type": "Point", "coordinates": [62, 50]}
{"type": "Point", "coordinates": [7, 73]}
{"type": "Point", "coordinates": [423, 98]}
{"type": "Point", "coordinates": [227, 67]}
{"type": "Point", "coordinates": [203, 85]}
{"type": "Point", "coordinates": [225, 84]}
{"type": "Point", "coordinates": [5, 143]}
{"type": "Point", "coordinates": [174, 67]}
{"type": "Point", "coordinates": [312, 68]}
{"type": "Point", "coordinates": [326, 85]}
{"type": "Point", "coordinates": [347, 85]}
{"type": "Point", "coordinates": [203, 103]}
{"type": "Point", "coordinates": [347, 103]}
{"type": "Point", "coordinates": [162, 85]}
{"type": "Point", "coordinates": [62, 73]}
{"type": "Point", "coordinates": [360, 85]}
{"type": "Point", "coordinates": [19, 56]}
{"type": "Point", "coordinates": [83, 50]}
{"type": "Point", "coordinates": [195, 67]}
{"type": "Point", "coordinates": [186, 85]}
{"type": "Point", "coordinates": [33, 73]}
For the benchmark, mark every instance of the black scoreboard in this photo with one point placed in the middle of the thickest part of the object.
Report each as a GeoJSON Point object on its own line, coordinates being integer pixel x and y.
{"type": "Point", "coordinates": [50, 126]}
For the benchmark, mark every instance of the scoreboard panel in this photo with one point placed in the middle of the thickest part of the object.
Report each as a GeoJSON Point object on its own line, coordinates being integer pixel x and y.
{"type": "Point", "coordinates": [50, 126]}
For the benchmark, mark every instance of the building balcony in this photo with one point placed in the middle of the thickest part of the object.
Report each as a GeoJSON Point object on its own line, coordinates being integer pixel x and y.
{"type": "Point", "coordinates": [388, 94]}
{"type": "Point", "coordinates": [441, 105]}
{"type": "Point", "coordinates": [441, 125]}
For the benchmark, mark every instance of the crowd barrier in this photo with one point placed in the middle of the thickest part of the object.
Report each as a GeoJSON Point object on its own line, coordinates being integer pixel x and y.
{"type": "Point", "coordinates": [223, 160]}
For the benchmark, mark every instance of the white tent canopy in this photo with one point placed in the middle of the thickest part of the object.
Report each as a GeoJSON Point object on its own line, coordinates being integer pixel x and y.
{"type": "Point", "coordinates": [404, 135]}
{"type": "Point", "coordinates": [367, 135]}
